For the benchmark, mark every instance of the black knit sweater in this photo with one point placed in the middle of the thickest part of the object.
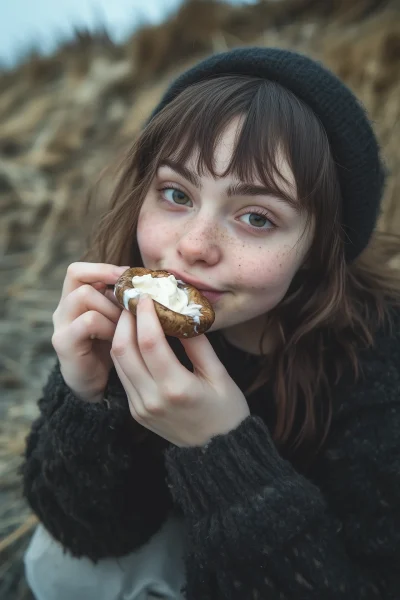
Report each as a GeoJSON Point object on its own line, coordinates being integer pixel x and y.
{"type": "Point", "coordinates": [258, 528]}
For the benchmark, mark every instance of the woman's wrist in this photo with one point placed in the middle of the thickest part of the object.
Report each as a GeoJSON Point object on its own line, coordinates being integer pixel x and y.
{"type": "Point", "coordinates": [98, 398]}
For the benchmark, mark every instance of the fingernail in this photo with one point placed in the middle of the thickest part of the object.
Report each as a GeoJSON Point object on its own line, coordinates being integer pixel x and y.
{"type": "Point", "coordinates": [143, 297]}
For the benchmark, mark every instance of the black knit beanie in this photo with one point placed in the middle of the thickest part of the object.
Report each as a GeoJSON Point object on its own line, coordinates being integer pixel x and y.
{"type": "Point", "coordinates": [353, 144]}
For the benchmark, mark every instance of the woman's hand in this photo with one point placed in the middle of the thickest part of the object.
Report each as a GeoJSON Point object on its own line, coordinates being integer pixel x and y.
{"type": "Point", "coordinates": [185, 408]}
{"type": "Point", "coordinates": [84, 324]}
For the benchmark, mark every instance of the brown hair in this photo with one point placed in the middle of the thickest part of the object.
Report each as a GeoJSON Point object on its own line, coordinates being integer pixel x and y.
{"type": "Point", "coordinates": [329, 304]}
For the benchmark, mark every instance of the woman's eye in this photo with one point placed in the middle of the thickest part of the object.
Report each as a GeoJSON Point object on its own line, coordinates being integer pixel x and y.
{"type": "Point", "coordinates": [258, 220]}
{"type": "Point", "coordinates": [174, 195]}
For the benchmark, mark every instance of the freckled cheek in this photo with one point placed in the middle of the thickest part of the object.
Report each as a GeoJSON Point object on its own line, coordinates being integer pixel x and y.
{"type": "Point", "coordinates": [266, 273]}
{"type": "Point", "coordinates": [268, 280]}
{"type": "Point", "coordinates": [152, 235]}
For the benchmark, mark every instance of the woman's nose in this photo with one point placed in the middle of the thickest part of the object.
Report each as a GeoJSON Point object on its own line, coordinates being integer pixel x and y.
{"type": "Point", "coordinates": [199, 243]}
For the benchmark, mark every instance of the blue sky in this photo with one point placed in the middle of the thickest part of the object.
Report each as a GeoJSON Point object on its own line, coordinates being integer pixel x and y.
{"type": "Point", "coordinates": [24, 23]}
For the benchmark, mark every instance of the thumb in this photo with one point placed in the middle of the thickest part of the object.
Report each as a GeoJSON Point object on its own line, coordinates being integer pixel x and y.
{"type": "Point", "coordinates": [202, 356]}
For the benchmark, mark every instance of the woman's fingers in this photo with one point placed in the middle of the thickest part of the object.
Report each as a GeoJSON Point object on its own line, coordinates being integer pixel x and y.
{"type": "Point", "coordinates": [129, 364]}
{"type": "Point", "coordinates": [83, 299]}
{"type": "Point", "coordinates": [157, 354]}
{"type": "Point", "coordinates": [82, 331]}
{"type": "Point", "coordinates": [125, 348]}
{"type": "Point", "coordinates": [109, 294]}
{"type": "Point", "coordinates": [203, 357]}
{"type": "Point", "coordinates": [79, 273]}
{"type": "Point", "coordinates": [99, 286]}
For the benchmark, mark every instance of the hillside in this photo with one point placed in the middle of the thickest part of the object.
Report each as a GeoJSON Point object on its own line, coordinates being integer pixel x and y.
{"type": "Point", "coordinates": [65, 117]}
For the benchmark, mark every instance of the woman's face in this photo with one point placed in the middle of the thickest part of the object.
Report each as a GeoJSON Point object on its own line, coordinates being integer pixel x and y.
{"type": "Point", "coordinates": [244, 242]}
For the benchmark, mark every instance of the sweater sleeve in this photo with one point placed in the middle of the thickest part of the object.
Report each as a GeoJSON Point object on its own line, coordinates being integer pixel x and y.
{"type": "Point", "coordinates": [259, 529]}
{"type": "Point", "coordinates": [95, 488]}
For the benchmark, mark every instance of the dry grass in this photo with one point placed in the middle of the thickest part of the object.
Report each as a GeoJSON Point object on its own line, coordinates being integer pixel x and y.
{"type": "Point", "coordinates": [63, 118]}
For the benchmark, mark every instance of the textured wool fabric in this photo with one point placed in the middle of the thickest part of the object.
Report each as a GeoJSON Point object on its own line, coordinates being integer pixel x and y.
{"type": "Point", "coordinates": [257, 526]}
{"type": "Point", "coordinates": [352, 140]}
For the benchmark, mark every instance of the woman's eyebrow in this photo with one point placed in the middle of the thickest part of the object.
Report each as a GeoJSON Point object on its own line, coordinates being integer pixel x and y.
{"type": "Point", "coordinates": [250, 189]}
{"type": "Point", "coordinates": [181, 170]}
{"type": "Point", "coordinates": [237, 189]}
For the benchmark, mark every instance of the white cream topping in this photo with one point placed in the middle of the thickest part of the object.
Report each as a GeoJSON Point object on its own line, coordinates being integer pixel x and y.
{"type": "Point", "coordinates": [164, 290]}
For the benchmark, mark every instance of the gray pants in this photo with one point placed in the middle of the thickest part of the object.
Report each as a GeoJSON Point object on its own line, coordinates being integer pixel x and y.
{"type": "Point", "coordinates": [154, 571]}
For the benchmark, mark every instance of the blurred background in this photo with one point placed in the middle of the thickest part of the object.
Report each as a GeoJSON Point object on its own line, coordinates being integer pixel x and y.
{"type": "Point", "coordinates": [77, 80]}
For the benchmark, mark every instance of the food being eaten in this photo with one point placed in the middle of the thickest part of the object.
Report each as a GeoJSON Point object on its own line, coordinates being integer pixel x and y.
{"type": "Point", "coordinates": [181, 308]}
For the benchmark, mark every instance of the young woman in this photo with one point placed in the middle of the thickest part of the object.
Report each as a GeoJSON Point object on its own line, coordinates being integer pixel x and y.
{"type": "Point", "coordinates": [260, 460]}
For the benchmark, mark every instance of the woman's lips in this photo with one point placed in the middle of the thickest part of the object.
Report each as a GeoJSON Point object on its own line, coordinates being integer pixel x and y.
{"type": "Point", "coordinates": [212, 297]}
